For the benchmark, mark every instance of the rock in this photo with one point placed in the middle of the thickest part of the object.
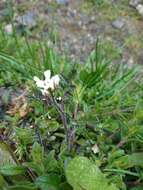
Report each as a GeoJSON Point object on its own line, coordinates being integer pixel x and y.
{"type": "Point", "coordinates": [62, 2]}
{"type": "Point", "coordinates": [71, 12]}
{"type": "Point", "coordinates": [8, 29]}
{"type": "Point", "coordinates": [8, 95]}
{"type": "Point", "coordinates": [5, 14]}
{"type": "Point", "coordinates": [140, 9]}
{"type": "Point", "coordinates": [131, 28]}
{"type": "Point", "coordinates": [19, 29]}
{"type": "Point", "coordinates": [131, 61]}
{"type": "Point", "coordinates": [80, 23]}
{"type": "Point", "coordinates": [5, 155]}
{"type": "Point", "coordinates": [118, 23]}
{"type": "Point", "coordinates": [84, 27]}
{"type": "Point", "coordinates": [93, 19]}
{"type": "Point", "coordinates": [5, 96]}
{"type": "Point", "coordinates": [140, 57]}
{"type": "Point", "coordinates": [27, 20]}
{"type": "Point", "coordinates": [134, 3]}
{"type": "Point", "coordinates": [84, 18]}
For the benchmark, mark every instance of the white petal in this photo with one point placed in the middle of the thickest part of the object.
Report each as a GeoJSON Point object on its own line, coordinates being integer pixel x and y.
{"type": "Point", "coordinates": [95, 149]}
{"type": "Point", "coordinates": [48, 85]}
{"type": "Point", "coordinates": [51, 85]}
{"type": "Point", "coordinates": [55, 79]}
{"type": "Point", "coordinates": [40, 84]}
{"type": "Point", "coordinates": [49, 117]}
{"type": "Point", "coordinates": [36, 79]}
{"type": "Point", "coordinates": [44, 92]}
{"type": "Point", "coordinates": [47, 75]}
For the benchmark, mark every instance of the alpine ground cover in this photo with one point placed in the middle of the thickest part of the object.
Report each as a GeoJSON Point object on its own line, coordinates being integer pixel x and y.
{"type": "Point", "coordinates": [72, 126]}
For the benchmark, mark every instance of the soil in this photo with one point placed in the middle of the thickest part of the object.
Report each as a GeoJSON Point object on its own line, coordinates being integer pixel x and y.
{"type": "Point", "coordinates": [75, 26]}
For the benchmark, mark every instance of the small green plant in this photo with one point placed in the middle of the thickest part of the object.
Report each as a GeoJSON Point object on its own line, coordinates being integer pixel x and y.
{"type": "Point", "coordinates": [77, 127]}
{"type": "Point", "coordinates": [98, 3]}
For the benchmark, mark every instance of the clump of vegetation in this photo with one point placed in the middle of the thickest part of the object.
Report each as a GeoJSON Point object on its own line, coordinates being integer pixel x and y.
{"type": "Point", "coordinates": [79, 129]}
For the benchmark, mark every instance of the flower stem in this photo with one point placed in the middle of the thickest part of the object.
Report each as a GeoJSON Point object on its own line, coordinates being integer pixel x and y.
{"type": "Point", "coordinates": [60, 109]}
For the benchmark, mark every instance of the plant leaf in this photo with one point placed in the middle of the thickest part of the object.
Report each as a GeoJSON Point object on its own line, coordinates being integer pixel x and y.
{"type": "Point", "coordinates": [10, 170]}
{"type": "Point", "coordinates": [22, 187]}
{"type": "Point", "coordinates": [50, 182]}
{"type": "Point", "coordinates": [82, 174]}
{"type": "Point", "coordinates": [128, 161]}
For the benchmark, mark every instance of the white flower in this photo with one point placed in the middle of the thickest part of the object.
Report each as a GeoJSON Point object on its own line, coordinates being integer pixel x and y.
{"type": "Point", "coordinates": [49, 117]}
{"type": "Point", "coordinates": [39, 83]}
{"type": "Point", "coordinates": [95, 149]}
{"type": "Point", "coordinates": [59, 98]}
{"type": "Point", "coordinates": [55, 79]}
{"type": "Point", "coordinates": [44, 92]}
{"type": "Point", "coordinates": [48, 83]}
{"type": "Point", "coordinates": [47, 75]}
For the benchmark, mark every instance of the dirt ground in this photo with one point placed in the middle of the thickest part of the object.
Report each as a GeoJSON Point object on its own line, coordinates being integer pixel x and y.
{"type": "Point", "coordinates": [73, 27]}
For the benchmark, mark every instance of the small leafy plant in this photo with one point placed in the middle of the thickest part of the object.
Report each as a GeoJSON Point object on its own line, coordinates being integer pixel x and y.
{"type": "Point", "coordinates": [74, 126]}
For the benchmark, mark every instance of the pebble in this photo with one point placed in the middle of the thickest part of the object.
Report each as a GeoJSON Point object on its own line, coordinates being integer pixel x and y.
{"type": "Point", "coordinates": [134, 3]}
{"type": "Point", "coordinates": [74, 40]}
{"type": "Point", "coordinates": [28, 20]}
{"type": "Point", "coordinates": [88, 35]}
{"type": "Point", "coordinates": [71, 13]}
{"type": "Point", "coordinates": [140, 57]}
{"type": "Point", "coordinates": [93, 18]}
{"type": "Point", "coordinates": [80, 23]}
{"type": "Point", "coordinates": [84, 27]}
{"type": "Point", "coordinates": [74, 11]}
{"type": "Point", "coordinates": [62, 2]}
{"type": "Point", "coordinates": [118, 23]}
{"type": "Point", "coordinates": [4, 14]}
{"type": "Point", "coordinates": [140, 9]}
{"type": "Point", "coordinates": [8, 29]}
{"type": "Point", "coordinates": [131, 61]}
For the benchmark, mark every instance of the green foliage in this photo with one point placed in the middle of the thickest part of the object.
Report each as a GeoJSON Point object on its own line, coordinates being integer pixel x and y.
{"type": "Point", "coordinates": [23, 186]}
{"type": "Point", "coordinates": [102, 104]}
{"type": "Point", "coordinates": [83, 174]}
{"type": "Point", "coordinates": [128, 161]}
{"type": "Point", "coordinates": [51, 181]}
{"type": "Point", "coordinates": [98, 3]}
{"type": "Point", "coordinates": [10, 170]}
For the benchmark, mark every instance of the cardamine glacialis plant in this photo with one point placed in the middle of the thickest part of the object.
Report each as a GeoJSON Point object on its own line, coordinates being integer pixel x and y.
{"type": "Point", "coordinates": [47, 86]}
{"type": "Point", "coordinates": [50, 83]}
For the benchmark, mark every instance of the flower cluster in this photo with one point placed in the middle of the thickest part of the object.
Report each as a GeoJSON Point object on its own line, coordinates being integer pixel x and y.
{"type": "Point", "coordinates": [50, 83]}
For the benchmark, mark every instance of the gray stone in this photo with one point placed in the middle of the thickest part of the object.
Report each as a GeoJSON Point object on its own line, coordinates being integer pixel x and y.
{"type": "Point", "coordinates": [27, 20]}
{"type": "Point", "coordinates": [134, 3]}
{"type": "Point", "coordinates": [118, 23]}
{"type": "Point", "coordinates": [140, 57]}
{"type": "Point", "coordinates": [5, 14]}
{"type": "Point", "coordinates": [8, 29]}
{"type": "Point", "coordinates": [5, 155]}
{"type": "Point", "coordinates": [71, 12]}
{"type": "Point", "coordinates": [140, 9]}
{"type": "Point", "coordinates": [62, 2]}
